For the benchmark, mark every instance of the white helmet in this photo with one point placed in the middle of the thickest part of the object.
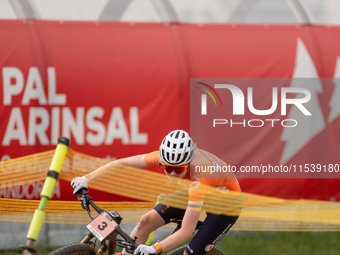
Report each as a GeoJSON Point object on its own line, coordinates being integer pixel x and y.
{"type": "Point", "coordinates": [177, 148]}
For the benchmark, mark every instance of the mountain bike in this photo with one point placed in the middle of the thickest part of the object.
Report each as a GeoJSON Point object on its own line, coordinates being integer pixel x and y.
{"type": "Point", "coordinates": [106, 228]}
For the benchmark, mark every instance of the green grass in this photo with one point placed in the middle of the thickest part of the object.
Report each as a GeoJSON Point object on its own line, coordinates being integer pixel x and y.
{"type": "Point", "coordinates": [278, 243]}
{"type": "Point", "coordinates": [281, 243]}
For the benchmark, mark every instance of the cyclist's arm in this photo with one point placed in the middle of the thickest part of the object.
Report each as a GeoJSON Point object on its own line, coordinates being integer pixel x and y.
{"type": "Point", "coordinates": [197, 190]}
{"type": "Point", "coordinates": [109, 168]}
{"type": "Point", "coordinates": [189, 223]}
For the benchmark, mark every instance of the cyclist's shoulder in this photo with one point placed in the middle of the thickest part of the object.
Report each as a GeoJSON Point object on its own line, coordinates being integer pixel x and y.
{"type": "Point", "coordinates": [152, 158]}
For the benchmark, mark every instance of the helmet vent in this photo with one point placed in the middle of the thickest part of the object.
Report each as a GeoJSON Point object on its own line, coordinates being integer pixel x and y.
{"type": "Point", "coordinates": [191, 154]}
{"type": "Point", "coordinates": [177, 135]}
{"type": "Point", "coordinates": [181, 146]}
{"type": "Point", "coordinates": [184, 158]}
{"type": "Point", "coordinates": [163, 155]}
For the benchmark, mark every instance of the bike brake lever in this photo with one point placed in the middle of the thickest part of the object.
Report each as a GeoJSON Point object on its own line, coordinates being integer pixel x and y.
{"type": "Point", "coordinates": [84, 202]}
{"type": "Point", "coordinates": [131, 245]}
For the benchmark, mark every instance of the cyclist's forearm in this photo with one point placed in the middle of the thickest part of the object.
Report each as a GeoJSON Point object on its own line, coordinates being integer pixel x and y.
{"type": "Point", "coordinates": [115, 166]}
{"type": "Point", "coordinates": [175, 239]}
{"type": "Point", "coordinates": [189, 223]}
{"type": "Point", "coordinates": [102, 171]}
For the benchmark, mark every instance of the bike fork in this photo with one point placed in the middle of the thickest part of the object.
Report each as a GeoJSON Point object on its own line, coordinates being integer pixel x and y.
{"type": "Point", "coordinates": [87, 238]}
{"type": "Point", "coordinates": [110, 248]}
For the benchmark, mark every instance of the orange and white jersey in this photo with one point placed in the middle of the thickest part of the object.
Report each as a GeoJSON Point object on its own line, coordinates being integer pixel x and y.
{"type": "Point", "coordinates": [200, 185]}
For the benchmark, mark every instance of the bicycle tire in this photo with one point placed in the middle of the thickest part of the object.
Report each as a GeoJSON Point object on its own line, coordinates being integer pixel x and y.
{"type": "Point", "coordinates": [214, 251]}
{"type": "Point", "coordinates": [74, 249]}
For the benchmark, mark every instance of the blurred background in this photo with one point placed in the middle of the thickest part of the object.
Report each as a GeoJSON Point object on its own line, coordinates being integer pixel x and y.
{"type": "Point", "coordinates": [215, 11]}
{"type": "Point", "coordinates": [114, 77]}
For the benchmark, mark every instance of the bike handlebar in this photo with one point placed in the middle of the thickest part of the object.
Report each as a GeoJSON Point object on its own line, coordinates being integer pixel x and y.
{"type": "Point", "coordinates": [130, 244]}
{"type": "Point", "coordinates": [82, 191]}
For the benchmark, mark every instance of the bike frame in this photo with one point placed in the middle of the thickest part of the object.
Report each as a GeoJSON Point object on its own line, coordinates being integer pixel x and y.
{"type": "Point", "coordinates": [109, 244]}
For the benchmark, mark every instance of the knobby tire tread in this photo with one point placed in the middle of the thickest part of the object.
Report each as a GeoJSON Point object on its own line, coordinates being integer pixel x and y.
{"type": "Point", "coordinates": [74, 249]}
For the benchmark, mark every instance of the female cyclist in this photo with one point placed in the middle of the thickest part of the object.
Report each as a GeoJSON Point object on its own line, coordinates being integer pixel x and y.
{"type": "Point", "coordinates": [177, 155]}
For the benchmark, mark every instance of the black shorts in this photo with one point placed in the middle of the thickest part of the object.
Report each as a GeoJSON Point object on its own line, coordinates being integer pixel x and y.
{"type": "Point", "coordinates": [213, 229]}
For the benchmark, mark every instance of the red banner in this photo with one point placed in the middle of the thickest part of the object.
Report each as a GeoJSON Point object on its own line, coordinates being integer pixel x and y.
{"type": "Point", "coordinates": [115, 89]}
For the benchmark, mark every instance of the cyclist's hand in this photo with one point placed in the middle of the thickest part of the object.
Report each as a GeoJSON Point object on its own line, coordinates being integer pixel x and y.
{"type": "Point", "coordinates": [78, 183]}
{"type": "Point", "coordinates": [144, 250]}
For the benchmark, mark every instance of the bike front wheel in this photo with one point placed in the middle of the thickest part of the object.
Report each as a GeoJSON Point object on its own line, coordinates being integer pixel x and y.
{"type": "Point", "coordinates": [214, 251]}
{"type": "Point", "coordinates": [74, 249]}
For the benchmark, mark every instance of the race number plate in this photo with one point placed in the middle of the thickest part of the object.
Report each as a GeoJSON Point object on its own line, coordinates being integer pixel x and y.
{"type": "Point", "coordinates": [102, 226]}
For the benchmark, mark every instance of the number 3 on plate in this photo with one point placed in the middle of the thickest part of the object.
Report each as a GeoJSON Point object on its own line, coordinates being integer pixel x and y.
{"type": "Point", "coordinates": [102, 227]}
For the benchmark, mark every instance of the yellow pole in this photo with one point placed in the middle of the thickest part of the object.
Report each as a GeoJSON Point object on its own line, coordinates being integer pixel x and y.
{"type": "Point", "coordinates": [46, 193]}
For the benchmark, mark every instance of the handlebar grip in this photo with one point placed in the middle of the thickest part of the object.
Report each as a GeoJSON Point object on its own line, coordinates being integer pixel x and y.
{"type": "Point", "coordinates": [135, 245]}
{"type": "Point", "coordinates": [82, 191]}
